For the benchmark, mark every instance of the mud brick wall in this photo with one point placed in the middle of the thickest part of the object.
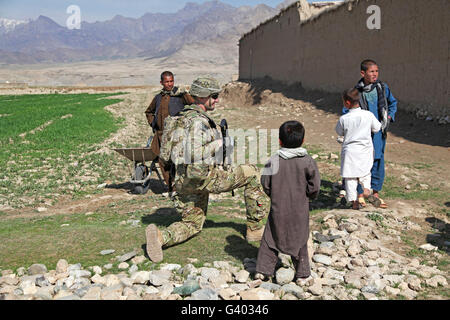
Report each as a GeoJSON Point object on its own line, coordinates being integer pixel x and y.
{"type": "Point", "coordinates": [412, 48]}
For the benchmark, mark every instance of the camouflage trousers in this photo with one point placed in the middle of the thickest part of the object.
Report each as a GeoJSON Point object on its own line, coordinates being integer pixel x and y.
{"type": "Point", "coordinates": [192, 202]}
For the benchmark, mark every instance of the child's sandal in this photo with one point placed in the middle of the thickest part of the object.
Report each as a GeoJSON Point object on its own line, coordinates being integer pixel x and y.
{"type": "Point", "coordinates": [362, 202]}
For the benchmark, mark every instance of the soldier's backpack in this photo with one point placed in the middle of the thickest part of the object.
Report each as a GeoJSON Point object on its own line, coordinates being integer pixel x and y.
{"type": "Point", "coordinates": [173, 138]}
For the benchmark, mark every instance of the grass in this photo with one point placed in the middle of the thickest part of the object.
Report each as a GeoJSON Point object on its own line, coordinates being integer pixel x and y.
{"type": "Point", "coordinates": [46, 240]}
{"type": "Point", "coordinates": [48, 145]}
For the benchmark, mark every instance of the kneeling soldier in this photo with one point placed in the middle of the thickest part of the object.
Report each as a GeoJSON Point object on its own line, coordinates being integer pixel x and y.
{"type": "Point", "coordinates": [195, 180]}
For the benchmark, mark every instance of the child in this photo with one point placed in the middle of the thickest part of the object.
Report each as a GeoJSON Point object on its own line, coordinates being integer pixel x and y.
{"type": "Point", "coordinates": [357, 153]}
{"type": "Point", "coordinates": [377, 98]}
{"type": "Point", "coordinates": [296, 180]}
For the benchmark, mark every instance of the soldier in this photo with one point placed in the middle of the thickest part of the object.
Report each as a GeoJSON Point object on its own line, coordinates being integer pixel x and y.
{"type": "Point", "coordinates": [195, 180]}
{"type": "Point", "coordinates": [169, 101]}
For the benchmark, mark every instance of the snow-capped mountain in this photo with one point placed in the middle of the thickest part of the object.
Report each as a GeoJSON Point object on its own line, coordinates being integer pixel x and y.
{"type": "Point", "coordinates": [8, 25]}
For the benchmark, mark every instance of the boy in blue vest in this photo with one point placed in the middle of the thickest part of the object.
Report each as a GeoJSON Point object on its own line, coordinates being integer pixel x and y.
{"type": "Point", "coordinates": [378, 99]}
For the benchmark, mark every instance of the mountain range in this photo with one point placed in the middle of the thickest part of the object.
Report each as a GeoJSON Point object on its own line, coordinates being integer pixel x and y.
{"type": "Point", "coordinates": [208, 31]}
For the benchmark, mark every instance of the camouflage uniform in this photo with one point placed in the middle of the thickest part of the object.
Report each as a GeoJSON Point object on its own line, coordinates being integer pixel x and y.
{"type": "Point", "coordinates": [195, 181]}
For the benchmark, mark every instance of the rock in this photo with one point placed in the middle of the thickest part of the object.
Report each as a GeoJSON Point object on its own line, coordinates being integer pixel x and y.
{"type": "Point", "coordinates": [392, 291]}
{"type": "Point", "coordinates": [205, 294]}
{"type": "Point", "coordinates": [21, 271]}
{"type": "Point", "coordinates": [80, 273]}
{"type": "Point", "coordinates": [133, 269]}
{"type": "Point", "coordinates": [353, 250]}
{"type": "Point", "coordinates": [140, 277]}
{"type": "Point", "coordinates": [209, 272]}
{"type": "Point", "coordinates": [349, 227]}
{"type": "Point", "coordinates": [316, 289]}
{"type": "Point", "coordinates": [123, 266]}
{"type": "Point", "coordinates": [70, 297]}
{"type": "Point", "coordinates": [409, 294]}
{"type": "Point", "coordinates": [436, 281]}
{"type": "Point", "coordinates": [138, 259]}
{"type": "Point", "coordinates": [256, 294]}
{"type": "Point", "coordinates": [188, 287]}
{"type": "Point", "coordinates": [225, 265]}
{"type": "Point", "coordinates": [105, 252]}
{"type": "Point", "coordinates": [37, 269]}
{"type": "Point", "coordinates": [44, 293]}
{"type": "Point", "coordinates": [242, 276]}
{"type": "Point", "coordinates": [98, 279]}
{"type": "Point", "coordinates": [270, 286]}
{"type": "Point", "coordinates": [428, 247]}
{"type": "Point", "coordinates": [413, 282]}
{"type": "Point", "coordinates": [284, 275]}
{"type": "Point", "coordinates": [113, 292]}
{"type": "Point", "coordinates": [228, 294]}
{"type": "Point", "coordinates": [127, 256]}
{"type": "Point", "coordinates": [74, 267]}
{"type": "Point", "coordinates": [97, 270]}
{"type": "Point", "coordinates": [126, 282]}
{"type": "Point", "coordinates": [238, 287]}
{"type": "Point", "coordinates": [111, 280]}
{"type": "Point", "coordinates": [188, 269]}
{"type": "Point", "coordinates": [28, 287]}
{"type": "Point", "coordinates": [165, 290]}
{"type": "Point", "coordinates": [354, 278]}
{"type": "Point", "coordinates": [61, 266]}
{"type": "Point", "coordinates": [320, 258]}
{"type": "Point", "coordinates": [159, 277]}
{"type": "Point", "coordinates": [42, 282]}
{"type": "Point", "coordinates": [293, 289]}
{"type": "Point", "coordinates": [170, 267]}
{"type": "Point", "coordinates": [108, 266]}
{"type": "Point", "coordinates": [370, 289]}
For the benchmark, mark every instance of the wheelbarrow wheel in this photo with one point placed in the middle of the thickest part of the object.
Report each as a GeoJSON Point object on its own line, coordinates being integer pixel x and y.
{"type": "Point", "coordinates": [141, 173]}
{"type": "Point", "coordinates": [140, 189]}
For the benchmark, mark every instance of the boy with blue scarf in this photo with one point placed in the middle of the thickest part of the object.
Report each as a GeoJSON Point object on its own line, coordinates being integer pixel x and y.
{"type": "Point", "coordinates": [377, 98]}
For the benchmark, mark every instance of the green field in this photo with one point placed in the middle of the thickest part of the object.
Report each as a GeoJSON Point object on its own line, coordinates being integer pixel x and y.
{"type": "Point", "coordinates": [48, 145]}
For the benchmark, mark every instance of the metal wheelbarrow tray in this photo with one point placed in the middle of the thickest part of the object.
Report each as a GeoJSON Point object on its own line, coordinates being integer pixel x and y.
{"type": "Point", "coordinates": [140, 177]}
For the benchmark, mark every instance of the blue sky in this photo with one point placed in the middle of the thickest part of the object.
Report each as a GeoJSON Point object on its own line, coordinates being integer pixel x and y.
{"type": "Point", "coordinates": [100, 10]}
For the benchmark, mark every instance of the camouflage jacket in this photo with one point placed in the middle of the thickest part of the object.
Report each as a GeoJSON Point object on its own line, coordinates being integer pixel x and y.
{"type": "Point", "coordinates": [193, 142]}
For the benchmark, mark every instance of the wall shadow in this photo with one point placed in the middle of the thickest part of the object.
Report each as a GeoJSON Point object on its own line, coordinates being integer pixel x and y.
{"type": "Point", "coordinates": [440, 238]}
{"type": "Point", "coordinates": [406, 126]}
{"type": "Point", "coordinates": [239, 248]}
{"type": "Point", "coordinates": [155, 186]}
{"type": "Point", "coordinates": [162, 217]}
{"type": "Point", "coordinates": [327, 198]}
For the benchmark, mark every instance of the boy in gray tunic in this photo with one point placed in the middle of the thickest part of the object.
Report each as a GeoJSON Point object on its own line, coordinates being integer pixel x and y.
{"type": "Point", "coordinates": [295, 182]}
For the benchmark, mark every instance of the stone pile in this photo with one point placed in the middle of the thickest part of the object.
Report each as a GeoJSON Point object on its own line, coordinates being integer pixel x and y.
{"type": "Point", "coordinates": [349, 262]}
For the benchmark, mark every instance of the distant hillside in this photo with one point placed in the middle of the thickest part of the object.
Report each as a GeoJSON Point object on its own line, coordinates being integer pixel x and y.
{"type": "Point", "coordinates": [153, 35]}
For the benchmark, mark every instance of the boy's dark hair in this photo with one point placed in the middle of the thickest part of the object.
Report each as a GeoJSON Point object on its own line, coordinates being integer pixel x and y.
{"type": "Point", "coordinates": [166, 74]}
{"type": "Point", "coordinates": [366, 64]}
{"type": "Point", "coordinates": [351, 95]}
{"type": "Point", "coordinates": [292, 134]}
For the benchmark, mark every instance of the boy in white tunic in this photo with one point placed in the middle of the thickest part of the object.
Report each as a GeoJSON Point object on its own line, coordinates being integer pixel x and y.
{"type": "Point", "coordinates": [357, 127]}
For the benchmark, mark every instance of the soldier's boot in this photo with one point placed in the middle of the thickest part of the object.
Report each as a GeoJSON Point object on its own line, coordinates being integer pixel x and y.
{"type": "Point", "coordinates": [154, 243]}
{"type": "Point", "coordinates": [254, 235]}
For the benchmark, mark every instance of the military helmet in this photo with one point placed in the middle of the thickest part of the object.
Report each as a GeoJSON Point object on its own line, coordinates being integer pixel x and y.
{"type": "Point", "coordinates": [204, 87]}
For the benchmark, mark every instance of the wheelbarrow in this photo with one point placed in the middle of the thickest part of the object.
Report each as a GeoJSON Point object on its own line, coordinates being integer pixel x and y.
{"type": "Point", "coordinates": [141, 173]}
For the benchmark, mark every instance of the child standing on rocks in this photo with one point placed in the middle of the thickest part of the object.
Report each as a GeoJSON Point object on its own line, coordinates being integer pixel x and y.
{"type": "Point", "coordinates": [357, 127]}
{"type": "Point", "coordinates": [295, 182]}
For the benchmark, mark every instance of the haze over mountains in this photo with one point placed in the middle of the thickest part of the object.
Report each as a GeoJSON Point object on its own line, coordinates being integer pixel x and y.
{"type": "Point", "coordinates": [179, 36]}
